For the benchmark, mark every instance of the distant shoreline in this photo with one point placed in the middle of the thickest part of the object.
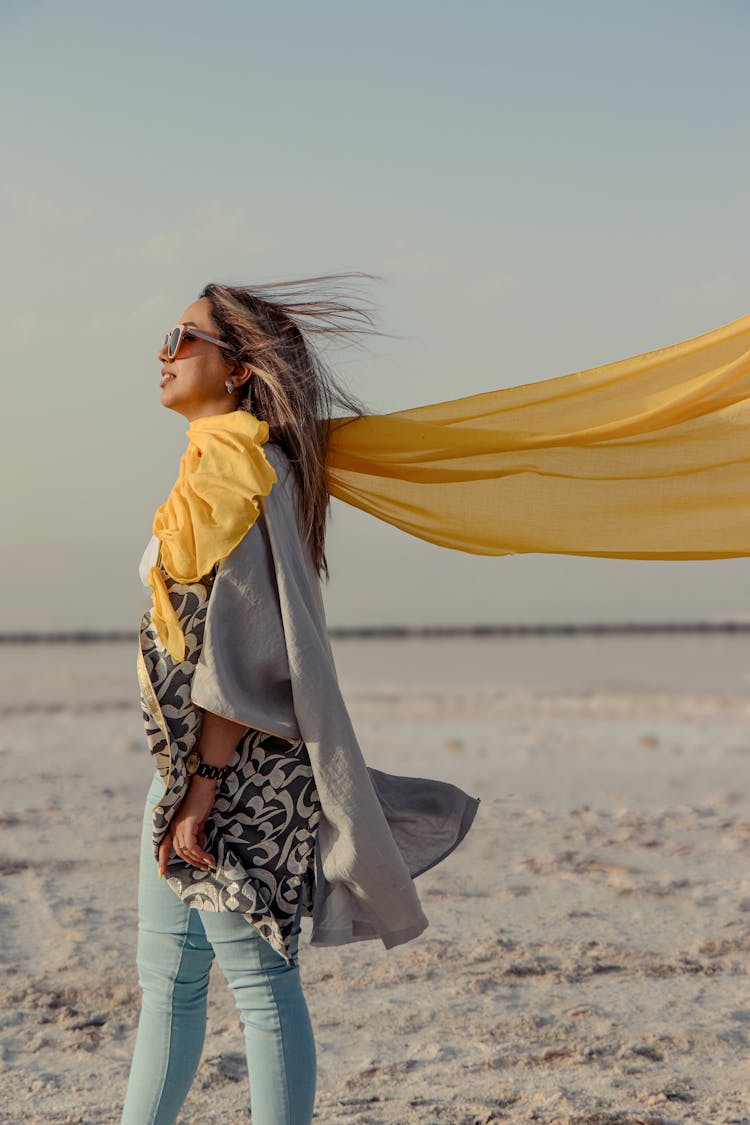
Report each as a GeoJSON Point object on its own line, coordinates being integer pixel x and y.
{"type": "Point", "coordinates": [411, 632]}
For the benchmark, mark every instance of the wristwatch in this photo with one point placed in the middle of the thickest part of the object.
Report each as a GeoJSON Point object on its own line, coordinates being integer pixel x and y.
{"type": "Point", "coordinates": [195, 764]}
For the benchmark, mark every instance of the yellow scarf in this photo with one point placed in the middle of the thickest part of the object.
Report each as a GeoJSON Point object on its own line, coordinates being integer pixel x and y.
{"type": "Point", "coordinates": [645, 458]}
{"type": "Point", "coordinates": [214, 502]}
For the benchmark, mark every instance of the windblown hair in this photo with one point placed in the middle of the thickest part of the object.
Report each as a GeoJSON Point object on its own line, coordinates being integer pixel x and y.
{"type": "Point", "coordinates": [270, 329]}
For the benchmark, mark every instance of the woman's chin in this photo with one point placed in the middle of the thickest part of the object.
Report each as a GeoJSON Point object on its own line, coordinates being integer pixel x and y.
{"type": "Point", "coordinates": [168, 399]}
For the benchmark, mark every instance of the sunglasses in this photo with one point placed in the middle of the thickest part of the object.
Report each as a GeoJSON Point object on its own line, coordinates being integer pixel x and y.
{"type": "Point", "coordinates": [174, 338]}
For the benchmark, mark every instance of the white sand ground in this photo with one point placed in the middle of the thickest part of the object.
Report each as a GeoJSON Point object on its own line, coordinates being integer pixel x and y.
{"type": "Point", "coordinates": [587, 955]}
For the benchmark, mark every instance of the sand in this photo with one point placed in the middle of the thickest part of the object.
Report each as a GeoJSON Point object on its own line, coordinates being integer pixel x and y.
{"type": "Point", "coordinates": [587, 954]}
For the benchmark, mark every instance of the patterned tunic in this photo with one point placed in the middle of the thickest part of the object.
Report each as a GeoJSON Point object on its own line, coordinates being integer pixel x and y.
{"type": "Point", "coordinates": [262, 830]}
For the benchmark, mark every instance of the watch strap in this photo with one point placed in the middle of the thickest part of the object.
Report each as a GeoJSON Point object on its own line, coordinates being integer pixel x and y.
{"type": "Point", "coordinates": [216, 773]}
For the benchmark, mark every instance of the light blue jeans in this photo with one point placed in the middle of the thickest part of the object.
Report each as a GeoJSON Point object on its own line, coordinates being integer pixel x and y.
{"type": "Point", "coordinates": [176, 947]}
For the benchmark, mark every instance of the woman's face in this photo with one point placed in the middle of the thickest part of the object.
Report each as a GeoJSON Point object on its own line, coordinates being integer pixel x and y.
{"type": "Point", "coordinates": [194, 383]}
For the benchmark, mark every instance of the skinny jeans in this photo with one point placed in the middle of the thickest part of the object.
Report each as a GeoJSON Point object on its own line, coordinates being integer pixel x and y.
{"type": "Point", "coordinates": [176, 948]}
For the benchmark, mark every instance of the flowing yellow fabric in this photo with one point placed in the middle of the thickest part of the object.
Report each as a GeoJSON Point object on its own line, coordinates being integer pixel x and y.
{"type": "Point", "coordinates": [214, 502]}
{"type": "Point", "coordinates": [645, 458]}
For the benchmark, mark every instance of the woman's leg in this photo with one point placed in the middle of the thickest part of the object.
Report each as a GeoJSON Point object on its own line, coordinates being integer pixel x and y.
{"type": "Point", "coordinates": [174, 962]}
{"type": "Point", "coordinates": [278, 1033]}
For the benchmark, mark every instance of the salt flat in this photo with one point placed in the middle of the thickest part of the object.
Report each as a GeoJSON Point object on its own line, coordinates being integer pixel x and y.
{"type": "Point", "coordinates": [587, 954]}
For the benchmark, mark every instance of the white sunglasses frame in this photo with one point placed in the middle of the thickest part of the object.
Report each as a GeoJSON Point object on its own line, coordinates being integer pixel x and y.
{"type": "Point", "coordinates": [187, 330]}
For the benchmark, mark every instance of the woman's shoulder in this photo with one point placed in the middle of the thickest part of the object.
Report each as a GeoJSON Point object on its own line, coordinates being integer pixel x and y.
{"type": "Point", "coordinates": [277, 457]}
{"type": "Point", "coordinates": [282, 507]}
{"type": "Point", "coordinates": [286, 482]}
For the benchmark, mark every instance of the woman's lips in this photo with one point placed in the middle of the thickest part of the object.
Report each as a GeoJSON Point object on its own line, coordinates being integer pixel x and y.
{"type": "Point", "coordinates": [167, 379]}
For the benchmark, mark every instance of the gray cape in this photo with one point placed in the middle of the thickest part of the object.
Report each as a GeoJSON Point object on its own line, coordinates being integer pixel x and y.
{"type": "Point", "coordinates": [266, 662]}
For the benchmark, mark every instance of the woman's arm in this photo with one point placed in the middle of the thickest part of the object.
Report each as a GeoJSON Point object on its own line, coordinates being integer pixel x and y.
{"type": "Point", "coordinates": [218, 742]}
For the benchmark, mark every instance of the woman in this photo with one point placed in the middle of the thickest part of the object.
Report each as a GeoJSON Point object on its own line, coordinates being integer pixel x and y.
{"type": "Point", "coordinates": [261, 808]}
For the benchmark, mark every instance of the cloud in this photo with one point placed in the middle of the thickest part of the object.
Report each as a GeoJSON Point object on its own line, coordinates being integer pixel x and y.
{"type": "Point", "coordinates": [162, 248]}
{"type": "Point", "coordinates": [150, 303]}
{"type": "Point", "coordinates": [208, 225]}
{"type": "Point", "coordinates": [41, 207]}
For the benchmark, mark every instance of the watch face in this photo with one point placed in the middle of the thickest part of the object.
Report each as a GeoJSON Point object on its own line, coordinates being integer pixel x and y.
{"type": "Point", "coordinates": [193, 761]}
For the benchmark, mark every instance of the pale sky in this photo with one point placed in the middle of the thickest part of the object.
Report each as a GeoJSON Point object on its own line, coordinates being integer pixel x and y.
{"type": "Point", "coordinates": [542, 186]}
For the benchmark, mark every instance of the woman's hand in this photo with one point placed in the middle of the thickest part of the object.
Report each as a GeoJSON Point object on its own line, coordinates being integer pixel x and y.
{"type": "Point", "coordinates": [186, 832]}
{"type": "Point", "coordinates": [218, 741]}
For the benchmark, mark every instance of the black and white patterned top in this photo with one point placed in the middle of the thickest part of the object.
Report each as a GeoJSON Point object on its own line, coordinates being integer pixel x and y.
{"type": "Point", "coordinates": [262, 830]}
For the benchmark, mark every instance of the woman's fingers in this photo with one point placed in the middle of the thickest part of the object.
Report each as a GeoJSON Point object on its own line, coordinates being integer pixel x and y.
{"type": "Point", "coordinates": [164, 849]}
{"type": "Point", "coordinates": [197, 857]}
{"type": "Point", "coordinates": [190, 847]}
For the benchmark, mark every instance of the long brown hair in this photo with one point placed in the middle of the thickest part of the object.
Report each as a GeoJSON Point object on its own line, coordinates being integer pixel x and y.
{"type": "Point", "coordinates": [292, 388]}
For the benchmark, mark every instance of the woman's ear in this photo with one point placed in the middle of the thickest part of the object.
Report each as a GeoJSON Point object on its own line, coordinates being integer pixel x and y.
{"type": "Point", "coordinates": [241, 375]}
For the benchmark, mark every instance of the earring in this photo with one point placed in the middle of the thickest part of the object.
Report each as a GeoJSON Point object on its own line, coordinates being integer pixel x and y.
{"type": "Point", "coordinates": [230, 387]}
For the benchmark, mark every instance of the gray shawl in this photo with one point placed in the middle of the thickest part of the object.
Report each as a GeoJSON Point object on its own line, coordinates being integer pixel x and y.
{"type": "Point", "coordinates": [266, 662]}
